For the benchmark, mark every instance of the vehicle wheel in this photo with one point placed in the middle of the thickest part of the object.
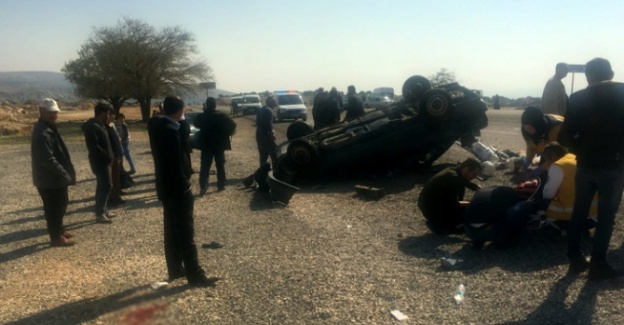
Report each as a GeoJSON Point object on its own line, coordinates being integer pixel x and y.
{"type": "Point", "coordinates": [298, 129]}
{"type": "Point", "coordinates": [436, 104]}
{"type": "Point", "coordinates": [414, 88]}
{"type": "Point", "coordinates": [304, 156]}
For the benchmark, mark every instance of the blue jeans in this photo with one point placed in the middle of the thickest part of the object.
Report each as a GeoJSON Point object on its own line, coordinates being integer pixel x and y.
{"type": "Point", "coordinates": [206, 162]}
{"type": "Point", "coordinates": [103, 176]}
{"type": "Point", "coordinates": [609, 185]}
{"type": "Point", "coordinates": [126, 149]}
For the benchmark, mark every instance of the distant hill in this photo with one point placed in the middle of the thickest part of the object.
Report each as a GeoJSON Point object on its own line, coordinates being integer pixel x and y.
{"type": "Point", "coordinates": [21, 86]}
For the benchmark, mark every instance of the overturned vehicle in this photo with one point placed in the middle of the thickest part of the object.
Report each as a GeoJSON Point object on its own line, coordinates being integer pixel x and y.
{"type": "Point", "coordinates": [411, 133]}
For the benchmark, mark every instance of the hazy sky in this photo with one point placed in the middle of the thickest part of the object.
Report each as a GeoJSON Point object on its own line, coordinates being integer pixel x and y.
{"type": "Point", "coordinates": [501, 47]}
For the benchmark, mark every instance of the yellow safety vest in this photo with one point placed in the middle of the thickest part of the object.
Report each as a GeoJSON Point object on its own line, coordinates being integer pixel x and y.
{"type": "Point", "coordinates": [560, 208]}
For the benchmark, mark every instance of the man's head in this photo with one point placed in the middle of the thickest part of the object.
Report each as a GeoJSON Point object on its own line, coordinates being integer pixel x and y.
{"type": "Point", "coordinates": [270, 101]}
{"type": "Point", "coordinates": [532, 120]}
{"type": "Point", "coordinates": [48, 110]}
{"type": "Point", "coordinates": [598, 70]}
{"type": "Point", "coordinates": [469, 169]}
{"type": "Point", "coordinates": [320, 90]}
{"type": "Point", "coordinates": [121, 118]}
{"type": "Point", "coordinates": [552, 152]}
{"type": "Point", "coordinates": [211, 104]}
{"type": "Point", "coordinates": [561, 70]}
{"type": "Point", "coordinates": [173, 106]}
{"type": "Point", "coordinates": [103, 111]}
{"type": "Point", "coordinates": [351, 90]}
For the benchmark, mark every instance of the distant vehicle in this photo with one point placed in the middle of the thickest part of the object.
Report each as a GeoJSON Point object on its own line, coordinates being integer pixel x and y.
{"type": "Point", "coordinates": [380, 98]}
{"type": "Point", "coordinates": [235, 105]}
{"type": "Point", "coordinates": [411, 133]}
{"type": "Point", "coordinates": [190, 118]}
{"type": "Point", "coordinates": [290, 106]}
{"type": "Point", "coordinates": [250, 104]}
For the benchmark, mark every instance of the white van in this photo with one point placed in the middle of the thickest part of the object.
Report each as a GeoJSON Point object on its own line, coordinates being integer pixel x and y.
{"type": "Point", "coordinates": [290, 106]}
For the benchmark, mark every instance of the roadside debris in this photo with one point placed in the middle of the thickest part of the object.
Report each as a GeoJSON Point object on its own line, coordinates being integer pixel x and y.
{"type": "Point", "coordinates": [374, 193]}
{"type": "Point", "coordinates": [398, 315]}
{"type": "Point", "coordinates": [213, 245]}
{"type": "Point", "coordinates": [448, 262]}
{"type": "Point", "coordinates": [158, 285]}
{"type": "Point", "coordinates": [459, 294]}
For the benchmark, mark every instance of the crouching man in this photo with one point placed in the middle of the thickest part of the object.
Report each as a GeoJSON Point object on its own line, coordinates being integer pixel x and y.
{"type": "Point", "coordinates": [442, 198]}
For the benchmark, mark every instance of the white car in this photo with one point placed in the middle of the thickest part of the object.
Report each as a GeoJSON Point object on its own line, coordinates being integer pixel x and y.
{"type": "Point", "coordinates": [380, 98]}
{"type": "Point", "coordinates": [290, 106]}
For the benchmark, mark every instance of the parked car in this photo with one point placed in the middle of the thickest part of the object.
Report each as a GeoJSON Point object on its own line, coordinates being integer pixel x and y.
{"type": "Point", "coordinates": [235, 105]}
{"type": "Point", "coordinates": [380, 98]}
{"type": "Point", "coordinates": [411, 133]}
{"type": "Point", "coordinates": [250, 104]}
{"type": "Point", "coordinates": [190, 118]}
{"type": "Point", "coordinates": [290, 106]}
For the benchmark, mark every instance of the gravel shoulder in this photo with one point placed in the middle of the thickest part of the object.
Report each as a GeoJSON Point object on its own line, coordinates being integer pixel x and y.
{"type": "Point", "coordinates": [329, 257]}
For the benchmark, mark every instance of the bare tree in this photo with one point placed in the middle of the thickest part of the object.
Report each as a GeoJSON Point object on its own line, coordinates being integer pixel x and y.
{"type": "Point", "coordinates": [442, 77]}
{"type": "Point", "coordinates": [134, 60]}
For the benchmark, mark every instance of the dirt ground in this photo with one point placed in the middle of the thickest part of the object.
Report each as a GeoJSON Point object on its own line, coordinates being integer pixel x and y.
{"type": "Point", "coordinates": [329, 257]}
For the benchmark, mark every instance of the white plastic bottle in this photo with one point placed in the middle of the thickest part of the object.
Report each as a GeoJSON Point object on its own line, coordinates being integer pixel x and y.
{"type": "Point", "coordinates": [483, 152]}
{"type": "Point", "coordinates": [459, 294]}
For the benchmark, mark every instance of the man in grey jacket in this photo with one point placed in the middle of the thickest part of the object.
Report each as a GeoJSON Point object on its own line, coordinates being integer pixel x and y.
{"type": "Point", "coordinates": [52, 172]}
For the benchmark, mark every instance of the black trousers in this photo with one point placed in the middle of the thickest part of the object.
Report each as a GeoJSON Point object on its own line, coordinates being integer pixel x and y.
{"type": "Point", "coordinates": [179, 230]}
{"type": "Point", "coordinates": [54, 207]}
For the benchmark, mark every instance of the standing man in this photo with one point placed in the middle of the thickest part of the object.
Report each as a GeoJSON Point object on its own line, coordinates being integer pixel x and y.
{"type": "Point", "coordinates": [442, 198]}
{"type": "Point", "coordinates": [101, 158]}
{"type": "Point", "coordinates": [593, 131]}
{"type": "Point", "coordinates": [554, 97]}
{"type": "Point", "coordinates": [216, 131]}
{"type": "Point", "coordinates": [117, 164]}
{"type": "Point", "coordinates": [496, 102]}
{"type": "Point", "coordinates": [265, 137]}
{"type": "Point", "coordinates": [173, 187]}
{"type": "Point", "coordinates": [52, 172]}
{"type": "Point", "coordinates": [355, 105]}
{"type": "Point", "coordinates": [124, 135]}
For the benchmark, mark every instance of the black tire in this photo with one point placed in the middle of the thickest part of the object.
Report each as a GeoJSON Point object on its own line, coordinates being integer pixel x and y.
{"type": "Point", "coordinates": [304, 157]}
{"type": "Point", "coordinates": [414, 88]}
{"type": "Point", "coordinates": [436, 104]}
{"type": "Point", "coordinates": [298, 129]}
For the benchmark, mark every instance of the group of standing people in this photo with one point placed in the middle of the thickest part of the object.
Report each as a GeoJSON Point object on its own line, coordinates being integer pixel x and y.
{"type": "Point", "coordinates": [581, 167]}
{"type": "Point", "coordinates": [328, 106]}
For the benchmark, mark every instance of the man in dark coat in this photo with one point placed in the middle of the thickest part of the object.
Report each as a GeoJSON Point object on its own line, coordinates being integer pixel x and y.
{"type": "Point", "coordinates": [265, 137]}
{"type": "Point", "coordinates": [52, 172]}
{"type": "Point", "coordinates": [442, 198]}
{"type": "Point", "coordinates": [355, 105]}
{"type": "Point", "coordinates": [593, 131]}
{"type": "Point", "coordinates": [216, 129]}
{"type": "Point", "coordinates": [173, 187]}
{"type": "Point", "coordinates": [100, 158]}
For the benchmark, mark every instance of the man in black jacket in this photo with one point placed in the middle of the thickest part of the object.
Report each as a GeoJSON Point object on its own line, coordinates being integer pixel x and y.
{"type": "Point", "coordinates": [442, 198]}
{"type": "Point", "coordinates": [216, 129]}
{"type": "Point", "coordinates": [593, 131]}
{"type": "Point", "coordinates": [52, 172]}
{"type": "Point", "coordinates": [100, 158]}
{"type": "Point", "coordinates": [355, 105]}
{"type": "Point", "coordinates": [173, 187]}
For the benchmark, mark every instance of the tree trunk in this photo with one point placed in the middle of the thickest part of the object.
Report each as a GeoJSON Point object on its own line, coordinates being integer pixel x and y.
{"type": "Point", "coordinates": [146, 105]}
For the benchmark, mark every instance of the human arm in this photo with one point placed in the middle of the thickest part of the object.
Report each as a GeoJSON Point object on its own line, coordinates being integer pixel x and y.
{"type": "Point", "coordinates": [555, 178]}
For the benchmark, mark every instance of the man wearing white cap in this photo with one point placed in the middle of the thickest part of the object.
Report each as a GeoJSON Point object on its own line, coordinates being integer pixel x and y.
{"type": "Point", "coordinates": [52, 171]}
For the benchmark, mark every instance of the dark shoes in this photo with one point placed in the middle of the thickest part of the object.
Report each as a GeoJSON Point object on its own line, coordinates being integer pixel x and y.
{"type": "Point", "coordinates": [221, 188]}
{"type": "Point", "coordinates": [103, 219]}
{"type": "Point", "coordinates": [578, 265]}
{"type": "Point", "coordinates": [601, 270]}
{"type": "Point", "coordinates": [62, 242]}
{"type": "Point", "coordinates": [115, 201]}
{"type": "Point", "coordinates": [203, 281]}
{"type": "Point", "coordinates": [203, 191]}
